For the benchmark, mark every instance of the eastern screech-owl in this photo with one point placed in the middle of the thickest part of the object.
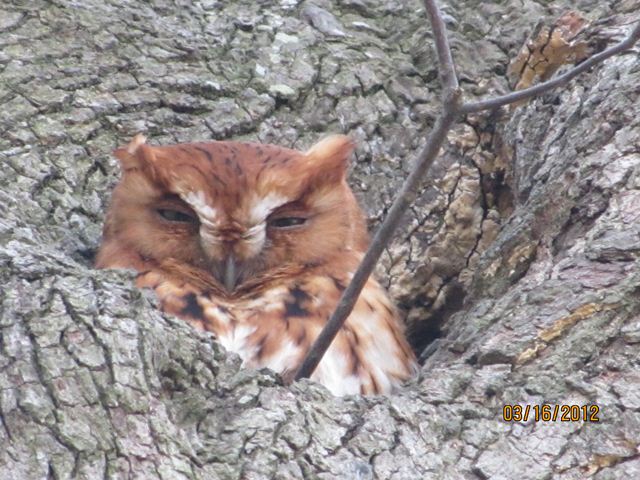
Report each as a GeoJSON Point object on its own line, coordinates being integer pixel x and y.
{"type": "Point", "coordinates": [256, 243]}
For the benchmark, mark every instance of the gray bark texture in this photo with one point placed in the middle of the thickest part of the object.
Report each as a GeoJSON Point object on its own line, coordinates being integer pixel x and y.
{"type": "Point", "coordinates": [521, 253]}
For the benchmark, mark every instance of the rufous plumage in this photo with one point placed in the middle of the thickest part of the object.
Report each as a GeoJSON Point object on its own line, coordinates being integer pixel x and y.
{"type": "Point", "coordinates": [255, 243]}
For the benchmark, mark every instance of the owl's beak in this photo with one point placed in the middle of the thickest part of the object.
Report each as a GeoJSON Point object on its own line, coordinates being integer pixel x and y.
{"type": "Point", "coordinates": [230, 279]}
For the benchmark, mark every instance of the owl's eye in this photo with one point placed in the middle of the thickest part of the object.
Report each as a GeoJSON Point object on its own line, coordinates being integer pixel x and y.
{"type": "Point", "coordinates": [176, 216]}
{"type": "Point", "coordinates": [287, 222]}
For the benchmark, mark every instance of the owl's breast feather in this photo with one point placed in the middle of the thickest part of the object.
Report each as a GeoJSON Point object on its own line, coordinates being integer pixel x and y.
{"type": "Point", "coordinates": [276, 328]}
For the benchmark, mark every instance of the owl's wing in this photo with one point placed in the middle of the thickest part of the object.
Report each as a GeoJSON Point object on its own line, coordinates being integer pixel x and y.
{"type": "Point", "coordinates": [370, 354]}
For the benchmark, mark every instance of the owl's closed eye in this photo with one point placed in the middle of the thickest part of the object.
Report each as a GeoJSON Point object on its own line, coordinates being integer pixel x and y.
{"type": "Point", "coordinates": [255, 243]}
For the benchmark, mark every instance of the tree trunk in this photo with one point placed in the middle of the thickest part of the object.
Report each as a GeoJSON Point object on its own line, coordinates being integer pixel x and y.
{"type": "Point", "coordinates": [517, 267]}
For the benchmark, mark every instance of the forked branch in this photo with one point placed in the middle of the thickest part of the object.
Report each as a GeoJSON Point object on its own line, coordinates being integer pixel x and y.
{"type": "Point", "coordinates": [451, 110]}
{"type": "Point", "coordinates": [497, 102]}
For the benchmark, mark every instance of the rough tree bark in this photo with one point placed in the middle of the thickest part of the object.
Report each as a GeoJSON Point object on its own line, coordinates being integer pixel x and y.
{"type": "Point", "coordinates": [523, 246]}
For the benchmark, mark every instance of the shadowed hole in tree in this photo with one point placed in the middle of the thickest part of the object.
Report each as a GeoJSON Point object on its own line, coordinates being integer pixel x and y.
{"type": "Point", "coordinates": [422, 334]}
{"type": "Point", "coordinates": [85, 256]}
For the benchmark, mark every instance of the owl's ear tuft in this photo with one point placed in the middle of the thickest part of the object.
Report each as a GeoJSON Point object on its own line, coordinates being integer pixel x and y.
{"type": "Point", "coordinates": [136, 155]}
{"type": "Point", "coordinates": [331, 156]}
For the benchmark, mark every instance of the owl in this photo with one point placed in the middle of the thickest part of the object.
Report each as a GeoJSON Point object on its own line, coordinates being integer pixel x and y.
{"type": "Point", "coordinates": [256, 243]}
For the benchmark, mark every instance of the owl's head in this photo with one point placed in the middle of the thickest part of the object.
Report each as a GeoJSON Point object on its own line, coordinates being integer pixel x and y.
{"type": "Point", "coordinates": [235, 210]}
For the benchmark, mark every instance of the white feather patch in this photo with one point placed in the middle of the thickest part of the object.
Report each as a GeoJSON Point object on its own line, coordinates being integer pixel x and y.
{"type": "Point", "coordinates": [287, 355]}
{"type": "Point", "coordinates": [379, 343]}
{"type": "Point", "coordinates": [236, 340]}
{"type": "Point", "coordinates": [261, 207]}
{"type": "Point", "coordinates": [198, 201]}
{"type": "Point", "coordinates": [209, 218]}
{"type": "Point", "coordinates": [333, 373]}
{"type": "Point", "coordinates": [254, 237]}
{"type": "Point", "coordinates": [271, 300]}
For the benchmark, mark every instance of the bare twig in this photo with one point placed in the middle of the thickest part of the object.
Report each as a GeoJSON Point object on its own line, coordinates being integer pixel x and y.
{"type": "Point", "coordinates": [452, 108]}
{"type": "Point", "coordinates": [447, 68]}
{"type": "Point", "coordinates": [378, 244]}
{"type": "Point", "coordinates": [497, 102]}
{"type": "Point", "coordinates": [451, 101]}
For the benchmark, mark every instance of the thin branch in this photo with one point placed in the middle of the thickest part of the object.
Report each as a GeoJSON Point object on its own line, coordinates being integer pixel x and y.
{"type": "Point", "coordinates": [493, 103]}
{"type": "Point", "coordinates": [451, 101]}
{"type": "Point", "coordinates": [445, 60]}
{"type": "Point", "coordinates": [378, 244]}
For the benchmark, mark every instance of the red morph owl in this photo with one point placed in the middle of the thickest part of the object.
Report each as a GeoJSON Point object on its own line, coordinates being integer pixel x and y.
{"type": "Point", "coordinates": [255, 243]}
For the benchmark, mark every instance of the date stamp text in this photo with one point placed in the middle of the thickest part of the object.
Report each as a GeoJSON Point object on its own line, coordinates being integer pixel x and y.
{"type": "Point", "coordinates": [551, 413]}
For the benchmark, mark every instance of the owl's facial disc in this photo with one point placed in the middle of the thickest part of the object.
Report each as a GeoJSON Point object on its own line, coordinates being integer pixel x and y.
{"type": "Point", "coordinates": [237, 241]}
